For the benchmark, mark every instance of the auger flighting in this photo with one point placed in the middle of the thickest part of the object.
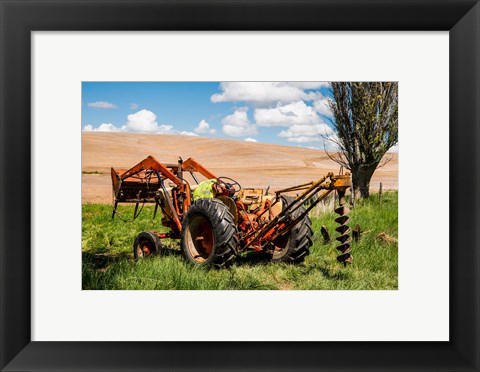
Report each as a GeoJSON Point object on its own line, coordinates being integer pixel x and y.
{"type": "Point", "coordinates": [344, 230]}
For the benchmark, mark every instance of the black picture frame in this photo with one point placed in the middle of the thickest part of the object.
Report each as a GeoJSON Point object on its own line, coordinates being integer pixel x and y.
{"type": "Point", "coordinates": [18, 18]}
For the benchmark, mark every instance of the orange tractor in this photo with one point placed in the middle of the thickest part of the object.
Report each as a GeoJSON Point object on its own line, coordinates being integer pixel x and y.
{"type": "Point", "coordinates": [214, 230]}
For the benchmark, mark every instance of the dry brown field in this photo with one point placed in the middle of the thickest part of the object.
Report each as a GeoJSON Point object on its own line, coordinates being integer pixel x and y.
{"type": "Point", "coordinates": [252, 164]}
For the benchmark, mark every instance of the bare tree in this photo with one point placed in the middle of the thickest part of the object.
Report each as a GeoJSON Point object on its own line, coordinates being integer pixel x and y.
{"type": "Point", "coordinates": [365, 119]}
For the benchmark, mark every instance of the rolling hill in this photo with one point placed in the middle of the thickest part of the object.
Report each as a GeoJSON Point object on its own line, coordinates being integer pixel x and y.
{"type": "Point", "coordinates": [253, 164]}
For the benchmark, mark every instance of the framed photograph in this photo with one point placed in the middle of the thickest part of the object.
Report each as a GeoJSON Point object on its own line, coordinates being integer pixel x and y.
{"type": "Point", "coordinates": [259, 163]}
{"type": "Point", "coordinates": [81, 84]}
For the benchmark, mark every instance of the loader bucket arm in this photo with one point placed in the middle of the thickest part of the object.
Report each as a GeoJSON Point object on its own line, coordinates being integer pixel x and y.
{"type": "Point", "coordinates": [140, 183]}
{"type": "Point", "coordinates": [116, 182]}
{"type": "Point", "coordinates": [144, 183]}
{"type": "Point", "coordinates": [191, 165]}
{"type": "Point", "coordinates": [150, 163]}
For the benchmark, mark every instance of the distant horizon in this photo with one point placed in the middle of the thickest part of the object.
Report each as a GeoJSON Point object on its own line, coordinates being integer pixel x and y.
{"type": "Point", "coordinates": [391, 151]}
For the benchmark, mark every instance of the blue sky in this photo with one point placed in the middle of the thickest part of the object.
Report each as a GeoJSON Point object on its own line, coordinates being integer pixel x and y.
{"type": "Point", "coordinates": [287, 113]}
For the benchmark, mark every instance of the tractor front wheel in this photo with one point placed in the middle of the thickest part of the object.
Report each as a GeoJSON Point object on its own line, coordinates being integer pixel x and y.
{"type": "Point", "coordinates": [295, 245]}
{"type": "Point", "coordinates": [146, 244]}
{"type": "Point", "coordinates": [209, 234]}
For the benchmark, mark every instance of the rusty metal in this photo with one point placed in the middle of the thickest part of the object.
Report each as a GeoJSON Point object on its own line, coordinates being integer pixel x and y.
{"type": "Point", "coordinates": [262, 220]}
{"type": "Point", "coordinates": [344, 230]}
{"type": "Point", "coordinates": [282, 224]}
{"type": "Point", "coordinates": [191, 165]}
{"type": "Point", "coordinates": [325, 234]}
{"type": "Point", "coordinates": [143, 182]}
{"type": "Point", "coordinates": [286, 227]}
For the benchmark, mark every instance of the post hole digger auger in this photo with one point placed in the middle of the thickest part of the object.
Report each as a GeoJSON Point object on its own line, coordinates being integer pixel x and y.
{"type": "Point", "coordinates": [344, 230]}
{"type": "Point", "coordinates": [214, 230]}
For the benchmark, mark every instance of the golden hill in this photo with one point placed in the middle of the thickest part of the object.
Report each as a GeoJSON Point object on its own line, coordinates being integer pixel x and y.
{"type": "Point", "coordinates": [253, 164]}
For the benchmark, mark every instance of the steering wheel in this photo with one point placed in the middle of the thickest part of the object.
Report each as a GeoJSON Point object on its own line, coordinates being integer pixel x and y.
{"type": "Point", "coordinates": [232, 185]}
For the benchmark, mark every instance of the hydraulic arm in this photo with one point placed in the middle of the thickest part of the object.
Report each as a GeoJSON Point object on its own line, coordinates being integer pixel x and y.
{"type": "Point", "coordinates": [312, 194]}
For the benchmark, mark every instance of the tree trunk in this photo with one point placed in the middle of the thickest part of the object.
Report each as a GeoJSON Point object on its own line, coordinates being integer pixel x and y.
{"type": "Point", "coordinates": [361, 177]}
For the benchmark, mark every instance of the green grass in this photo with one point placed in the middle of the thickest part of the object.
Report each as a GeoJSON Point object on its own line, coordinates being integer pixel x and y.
{"type": "Point", "coordinates": [107, 251]}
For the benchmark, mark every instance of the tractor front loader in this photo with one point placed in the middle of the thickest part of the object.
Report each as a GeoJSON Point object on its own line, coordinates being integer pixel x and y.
{"type": "Point", "coordinates": [213, 231]}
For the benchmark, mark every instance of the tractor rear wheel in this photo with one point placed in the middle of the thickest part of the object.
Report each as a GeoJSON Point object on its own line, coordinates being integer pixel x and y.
{"type": "Point", "coordinates": [146, 244]}
{"type": "Point", "coordinates": [209, 234]}
{"type": "Point", "coordinates": [295, 246]}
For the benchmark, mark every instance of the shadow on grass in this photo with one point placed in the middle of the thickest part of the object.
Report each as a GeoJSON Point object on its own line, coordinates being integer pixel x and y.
{"type": "Point", "coordinates": [245, 259]}
{"type": "Point", "coordinates": [329, 274]}
{"type": "Point", "coordinates": [99, 261]}
{"type": "Point", "coordinates": [251, 259]}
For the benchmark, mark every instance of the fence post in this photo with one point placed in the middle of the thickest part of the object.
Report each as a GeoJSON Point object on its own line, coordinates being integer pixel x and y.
{"type": "Point", "coordinates": [380, 193]}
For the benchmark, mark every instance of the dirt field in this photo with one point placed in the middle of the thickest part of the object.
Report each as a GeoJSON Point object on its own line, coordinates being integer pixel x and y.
{"type": "Point", "coordinates": [251, 164]}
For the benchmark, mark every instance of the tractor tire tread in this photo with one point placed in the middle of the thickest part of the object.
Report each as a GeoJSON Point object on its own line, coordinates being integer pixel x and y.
{"type": "Point", "coordinates": [152, 238]}
{"type": "Point", "coordinates": [300, 238]}
{"type": "Point", "coordinates": [224, 230]}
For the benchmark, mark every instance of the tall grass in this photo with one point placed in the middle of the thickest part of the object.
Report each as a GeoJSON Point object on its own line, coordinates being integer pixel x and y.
{"type": "Point", "coordinates": [107, 251]}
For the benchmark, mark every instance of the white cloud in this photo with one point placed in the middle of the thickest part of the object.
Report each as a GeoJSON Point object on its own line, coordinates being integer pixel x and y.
{"type": "Point", "coordinates": [321, 133]}
{"type": "Point", "coordinates": [286, 115]}
{"type": "Point", "coordinates": [311, 133]}
{"type": "Point", "coordinates": [237, 124]}
{"type": "Point", "coordinates": [107, 127]}
{"type": "Point", "coordinates": [249, 139]}
{"type": "Point", "coordinates": [265, 92]}
{"type": "Point", "coordinates": [330, 143]}
{"type": "Point", "coordinates": [321, 106]}
{"type": "Point", "coordinates": [301, 133]}
{"type": "Point", "coordinates": [303, 139]}
{"type": "Point", "coordinates": [104, 127]}
{"type": "Point", "coordinates": [185, 133]}
{"type": "Point", "coordinates": [204, 127]}
{"type": "Point", "coordinates": [325, 144]}
{"type": "Point", "coordinates": [145, 121]}
{"type": "Point", "coordinates": [134, 106]}
{"type": "Point", "coordinates": [102, 105]}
